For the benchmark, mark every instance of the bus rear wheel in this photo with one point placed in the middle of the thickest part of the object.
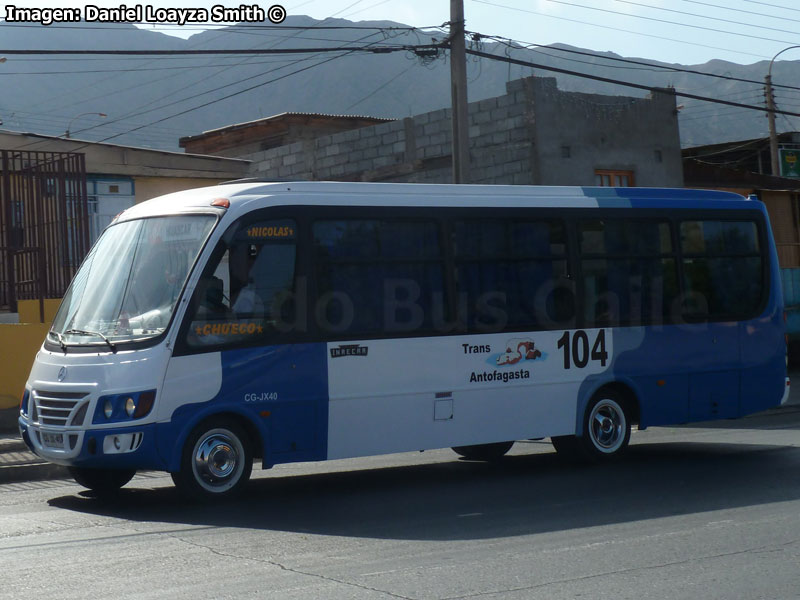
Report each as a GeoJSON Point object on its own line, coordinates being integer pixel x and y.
{"type": "Point", "coordinates": [102, 481]}
{"type": "Point", "coordinates": [216, 462]}
{"type": "Point", "coordinates": [606, 431]}
{"type": "Point", "coordinates": [485, 452]}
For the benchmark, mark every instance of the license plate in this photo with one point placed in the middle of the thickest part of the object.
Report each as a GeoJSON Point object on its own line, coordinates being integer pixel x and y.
{"type": "Point", "coordinates": [53, 440]}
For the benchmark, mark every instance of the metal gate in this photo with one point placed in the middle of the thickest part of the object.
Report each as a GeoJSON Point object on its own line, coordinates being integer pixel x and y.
{"type": "Point", "coordinates": [44, 223]}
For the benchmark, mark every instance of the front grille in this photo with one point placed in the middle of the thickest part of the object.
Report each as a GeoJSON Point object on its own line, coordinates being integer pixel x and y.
{"type": "Point", "coordinates": [55, 409]}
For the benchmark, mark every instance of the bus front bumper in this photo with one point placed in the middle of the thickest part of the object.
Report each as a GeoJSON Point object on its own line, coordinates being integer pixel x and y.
{"type": "Point", "coordinates": [120, 447]}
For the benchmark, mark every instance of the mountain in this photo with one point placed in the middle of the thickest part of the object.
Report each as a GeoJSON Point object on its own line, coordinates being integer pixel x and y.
{"type": "Point", "coordinates": [153, 101]}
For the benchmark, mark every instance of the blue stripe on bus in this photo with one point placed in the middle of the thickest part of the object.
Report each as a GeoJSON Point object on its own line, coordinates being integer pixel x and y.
{"type": "Point", "coordinates": [281, 390]}
{"type": "Point", "coordinates": [290, 383]}
{"type": "Point", "coordinates": [734, 360]}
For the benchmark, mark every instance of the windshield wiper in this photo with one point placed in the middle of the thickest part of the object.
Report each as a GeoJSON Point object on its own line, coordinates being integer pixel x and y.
{"type": "Point", "coordinates": [95, 333]}
{"type": "Point", "coordinates": [60, 340]}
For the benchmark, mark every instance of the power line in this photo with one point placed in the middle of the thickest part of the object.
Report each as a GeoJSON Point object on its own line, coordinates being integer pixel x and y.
{"type": "Point", "coordinates": [721, 20]}
{"type": "Point", "coordinates": [194, 44]}
{"type": "Point", "coordinates": [739, 10]}
{"type": "Point", "coordinates": [284, 38]}
{"type": "Point", "coordinates": [628, 31]}
{"type": "Point", "coordinates": [147, 69]}
{"type": "Point", "coordinates": [256, 76]}
{"type": "Point", "coordinates": [223, 98]}
{"type": "Point", "coordinates": [380, 87]}
{"type": "Point", "coordinates": [710, 110]}
{"type": "Point", "coordinates": [639, 86]}
{"type": "Point", "coordinates": [655, 20]}
{"type": "Point", "coordinates": [233, 53]}
{"type": "Point", "coordinates": [772, 5]}
{"type": "Point", "coordinates": [239, 51]}
{"type": "Point", "coordinates": [524, 45]}
{"type": "Point", "coordinates": [345, 52]}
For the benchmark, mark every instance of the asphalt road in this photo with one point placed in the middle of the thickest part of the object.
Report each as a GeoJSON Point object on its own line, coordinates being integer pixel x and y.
{"type": "Point", "coordinates": [694, 512]}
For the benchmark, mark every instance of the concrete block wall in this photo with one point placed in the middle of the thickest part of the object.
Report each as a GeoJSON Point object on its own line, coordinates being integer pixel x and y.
{"type": "Point", "coordinates": [516, 138]}
{"type": "Point", "coordinates": [576, 133]}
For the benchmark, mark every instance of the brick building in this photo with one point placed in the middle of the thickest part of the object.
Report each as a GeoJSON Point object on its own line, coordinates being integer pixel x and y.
{"type": "Point", "coordinates": [534, 134]}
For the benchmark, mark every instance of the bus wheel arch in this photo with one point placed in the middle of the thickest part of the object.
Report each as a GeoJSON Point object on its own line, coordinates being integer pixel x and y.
{"type": "Point", "coordinates": [216, 457]}
{"type": "Point", "coordinates": [627, 396]}
{"type": "Point", "coordinates": [605, 425]}
{"type": "Point", "coordinates": [256, 436]}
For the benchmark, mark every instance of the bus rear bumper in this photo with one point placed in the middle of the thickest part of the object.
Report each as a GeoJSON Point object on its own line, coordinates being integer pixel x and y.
{"type": "Point", "coordinates": [123, 447]}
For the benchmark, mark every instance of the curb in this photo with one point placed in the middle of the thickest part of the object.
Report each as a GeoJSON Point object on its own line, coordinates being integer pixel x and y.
{"type": "Point", "coordinates": [17, 463]}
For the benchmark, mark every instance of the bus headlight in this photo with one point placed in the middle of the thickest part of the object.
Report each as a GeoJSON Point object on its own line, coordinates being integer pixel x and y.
{"type": "Point", "coordinates": [119, 408]}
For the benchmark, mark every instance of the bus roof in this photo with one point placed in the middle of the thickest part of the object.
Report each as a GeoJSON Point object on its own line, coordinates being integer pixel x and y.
{"type": "Point", "coordinates": [244, 197]}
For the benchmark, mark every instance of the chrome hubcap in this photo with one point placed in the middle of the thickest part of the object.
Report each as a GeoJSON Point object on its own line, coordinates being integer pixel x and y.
{"type": "Point", "coordinates": [217, 459]}
{"type": "Point", "coordinates": [607, 426]}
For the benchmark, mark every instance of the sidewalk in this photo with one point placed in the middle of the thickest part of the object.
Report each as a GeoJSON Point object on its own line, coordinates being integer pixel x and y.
{"type": "Point", "coordinates": [17, 463]}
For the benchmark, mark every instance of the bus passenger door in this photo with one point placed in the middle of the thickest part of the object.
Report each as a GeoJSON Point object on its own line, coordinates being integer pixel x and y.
{"type": "Point", "coordinates": [247, 309]}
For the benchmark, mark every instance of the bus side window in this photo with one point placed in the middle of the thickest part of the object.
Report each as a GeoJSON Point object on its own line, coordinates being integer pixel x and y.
{"type": "Point", "coordinates": [378, 276]}
{"type": "Point", "coordinates": [722, 269]}
{"type": "Point", "coordinates": [628, 270]}
{"type": "Point", "coordinates": [513, 275]}
{"type": "Point", "coordinates": [246, 295]}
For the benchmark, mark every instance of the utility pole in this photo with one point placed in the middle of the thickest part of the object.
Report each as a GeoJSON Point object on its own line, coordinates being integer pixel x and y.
{"type": "Point", "coordinates": [770, 97]}
{"type": "Point", "coordinates": [773, 136]}
{"type": "Point", "coordinates": [458, 93]}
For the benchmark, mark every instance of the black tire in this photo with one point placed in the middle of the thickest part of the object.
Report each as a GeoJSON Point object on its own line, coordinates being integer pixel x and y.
{"type": "Point", "coordinates": [485, 452]}
{"type": "Point", "coordinates": [216, 461]}
{"type": "Point", "coordinates": [102, 481]}
{"type": "Point", "coordinates": [606, 431]}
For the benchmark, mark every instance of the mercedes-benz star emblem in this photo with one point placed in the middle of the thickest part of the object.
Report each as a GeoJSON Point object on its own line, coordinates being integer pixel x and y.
{"type": "Point", "coordinates": [62, 373]}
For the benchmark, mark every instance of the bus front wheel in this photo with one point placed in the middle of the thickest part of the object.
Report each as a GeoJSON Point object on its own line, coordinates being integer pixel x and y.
{"type": "Point", "coordinates": [606, 431]}
{"type": "Point", "coordinates": [216, 462]}
{"type": "Point", "coordinates": [102, 481]}
{"type": "Point", "coordinates": [485, 452]}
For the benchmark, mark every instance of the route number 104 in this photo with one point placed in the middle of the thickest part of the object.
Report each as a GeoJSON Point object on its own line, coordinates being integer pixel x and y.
{"type": "Point", "coordinates": [578, 350]}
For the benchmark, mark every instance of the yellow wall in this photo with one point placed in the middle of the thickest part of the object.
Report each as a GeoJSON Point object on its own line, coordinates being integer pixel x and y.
{"type": "Point", "coordinates": [150, 187]}
{"type": "Point", "coordinates": [29, 310]}
{"type": "Point", "coordinates": [19, 343]}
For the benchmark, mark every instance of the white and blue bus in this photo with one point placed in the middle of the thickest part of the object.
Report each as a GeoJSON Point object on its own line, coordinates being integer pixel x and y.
{"type": "Point", "coordinates": [308, 321]}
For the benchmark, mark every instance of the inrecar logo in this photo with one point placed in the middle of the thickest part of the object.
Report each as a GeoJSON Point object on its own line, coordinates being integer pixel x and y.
{"type": "Point", "coordinates": [349, 350]}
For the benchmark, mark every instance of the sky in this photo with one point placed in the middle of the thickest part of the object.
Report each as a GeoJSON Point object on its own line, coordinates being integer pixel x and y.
{"type": "Point", "coordinates": [675, 31]}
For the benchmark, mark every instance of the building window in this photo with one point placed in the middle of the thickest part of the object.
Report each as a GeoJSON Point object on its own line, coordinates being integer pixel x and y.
{"type": "Point", "coordinates": [613, 178]}
{"type": "Point", "coordinates": [566, 152]}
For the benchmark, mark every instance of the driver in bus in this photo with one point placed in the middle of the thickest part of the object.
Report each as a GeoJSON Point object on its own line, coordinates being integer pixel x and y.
{"type": "Point", "coordinates": [248, 302]}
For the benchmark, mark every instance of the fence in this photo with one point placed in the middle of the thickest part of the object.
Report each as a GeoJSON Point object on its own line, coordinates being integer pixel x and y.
{"type": "Point", "coordinates": [44, 223]}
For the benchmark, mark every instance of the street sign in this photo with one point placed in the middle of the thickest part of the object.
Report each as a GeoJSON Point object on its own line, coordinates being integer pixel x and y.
{"type": "Point", "coordinates": [790, 162]}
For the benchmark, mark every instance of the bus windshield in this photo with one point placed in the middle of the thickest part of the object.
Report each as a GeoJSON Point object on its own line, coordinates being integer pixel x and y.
{"type": "Point", "coordinates": [127, 287]}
